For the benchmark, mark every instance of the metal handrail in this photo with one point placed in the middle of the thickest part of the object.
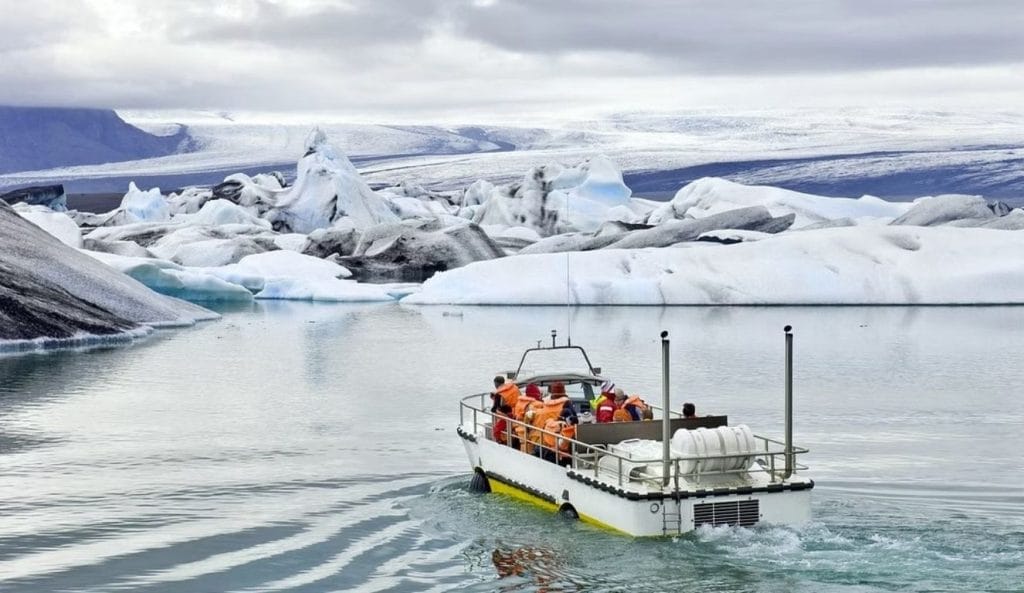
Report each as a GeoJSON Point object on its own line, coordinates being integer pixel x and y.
{"type": "Point", "coordinates": [592, 450]}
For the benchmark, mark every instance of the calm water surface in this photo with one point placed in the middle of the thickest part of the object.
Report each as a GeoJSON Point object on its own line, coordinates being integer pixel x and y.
{"type": "Point", "coordinates": [300, 447]}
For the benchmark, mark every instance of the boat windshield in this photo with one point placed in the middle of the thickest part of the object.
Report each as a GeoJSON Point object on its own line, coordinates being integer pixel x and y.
{"type": "Point", "coordinates": [560, 360]}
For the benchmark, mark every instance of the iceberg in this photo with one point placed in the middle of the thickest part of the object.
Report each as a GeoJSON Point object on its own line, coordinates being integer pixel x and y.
{"type": "Point", "coordinates": [414, 250]}
{"type": "Point", "coordinates": [272, 275]}
{"type": "Point", "coordinates": [712, 195]}
{"type": "Point", "coordinates": [207, 246]}
{"type": "Point", "coordinates": [751, 218]}
{"type": "Point", "coordinates": [174, 280]}
{"type": "Point", "coordinates": [218, 212]}
{"type": "Point", "coordinates": [930, 211]}
{"type": "Point", "coordinates": [862, 265]}
{"type": "Point", "coordinates": [327, 187]}
{"type": "Point", "coordinates": [50, 196]}
{"type": "Point", "coordinates": [57, 224]}
{"type": "Point", "coordinates": [258, 193]}
{"type": "Point", "coordinates": [289, 264]}
{"type": "Point", "coordinates": [144, 206]}
{"type": "Point", "coordinates": [320, 289]}
{"type": "Point", "coordinates": [56, 296]}
{"type": "Point", "coordinates": [553, 199]}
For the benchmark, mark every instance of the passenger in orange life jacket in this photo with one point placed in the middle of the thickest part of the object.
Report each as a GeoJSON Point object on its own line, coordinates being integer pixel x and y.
{"type": "Point", "coordinates": [620, 414]}
{"type": "Point", "coordinates": [550, 408]}
{"type": "Point", "coordinates": [524, 405]}
{"type": "Point", "coordinates": [637, 408]}
{"type": "Point", "coordinates": [505, 392]}
{"type": "Point", "coordinates": [568, 430]}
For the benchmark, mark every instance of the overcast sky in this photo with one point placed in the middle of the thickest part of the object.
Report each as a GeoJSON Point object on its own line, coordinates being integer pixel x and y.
{"type": "Point", "coordinates": [480, 60]}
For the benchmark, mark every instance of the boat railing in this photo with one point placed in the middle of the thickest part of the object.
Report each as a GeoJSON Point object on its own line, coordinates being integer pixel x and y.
{"type": "Point", "coordinates": [586, 457]}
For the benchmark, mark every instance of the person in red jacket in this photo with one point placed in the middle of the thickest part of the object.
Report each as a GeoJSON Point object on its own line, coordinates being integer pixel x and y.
{"type": "Point", "coordinates": [606, 410]}
{"type": "Point", "coordinates": [500, 429]}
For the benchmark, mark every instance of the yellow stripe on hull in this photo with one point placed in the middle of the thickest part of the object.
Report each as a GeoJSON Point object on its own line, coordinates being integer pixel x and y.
{"type": "Point", "coordinates": [499, 487]}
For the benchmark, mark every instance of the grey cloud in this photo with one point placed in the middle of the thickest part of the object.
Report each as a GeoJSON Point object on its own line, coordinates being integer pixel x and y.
{"type": "Point", "coordinates": [351, 24]}
{"type": "Point", "coordinates": [28, 25]}
{"type": "Point", "coordinates": [751, 36]}
{"type": "Point", "coordinates": [381, 56]}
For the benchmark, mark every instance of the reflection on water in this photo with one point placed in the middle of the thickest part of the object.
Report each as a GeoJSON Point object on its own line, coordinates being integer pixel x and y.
{"type": "Point", "coordinates": [301, 447]}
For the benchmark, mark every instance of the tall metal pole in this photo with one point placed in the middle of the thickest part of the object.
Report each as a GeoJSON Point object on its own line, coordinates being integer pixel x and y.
{"type": "Point", "coordinates": [789, 401]}
{"type": "Point", "coordinates": [666, 424]}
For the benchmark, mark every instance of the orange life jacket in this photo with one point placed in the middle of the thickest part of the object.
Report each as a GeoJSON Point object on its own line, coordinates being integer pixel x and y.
{"type": "Point", "coordinates": [524, 405]}
{"type": "Point", "coordinates": [509, 393]}
{"type": "Point", "coordinates": [553, 425]}
{"type": "Point", "coordinates": [548, 410]}
{"type": "Point", "coordinates": [568, 432]}
{"type": "Point", "coordinates": [621, 415]}
{"type": "Point", "coordinates": [634, 400]}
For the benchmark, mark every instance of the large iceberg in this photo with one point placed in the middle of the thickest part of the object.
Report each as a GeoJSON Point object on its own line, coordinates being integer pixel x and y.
{"type": "Point", "coordinates": [328, 188]}
{"type": "Point", "coordinates": [54, 295]}
{"type": "Point", "coordinates": [863, 265]}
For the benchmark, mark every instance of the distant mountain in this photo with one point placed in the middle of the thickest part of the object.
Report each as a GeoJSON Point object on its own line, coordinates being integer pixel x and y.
{"type": "Point", "coordinates": [33, 138]}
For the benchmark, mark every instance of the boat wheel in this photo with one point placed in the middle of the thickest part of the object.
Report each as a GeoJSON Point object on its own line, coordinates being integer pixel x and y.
{"type": "Point", "coordinates": [566, 511]}
{"type": "Point", "coordinates": [479, 483]}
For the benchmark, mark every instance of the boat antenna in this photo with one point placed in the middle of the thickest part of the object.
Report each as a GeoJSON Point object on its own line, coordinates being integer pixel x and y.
{"type": "Point", "coordinates": [568, 290]}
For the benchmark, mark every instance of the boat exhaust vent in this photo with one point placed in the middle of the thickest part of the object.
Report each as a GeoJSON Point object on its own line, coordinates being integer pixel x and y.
{"type": "Point", "coordinates": [734, 512]}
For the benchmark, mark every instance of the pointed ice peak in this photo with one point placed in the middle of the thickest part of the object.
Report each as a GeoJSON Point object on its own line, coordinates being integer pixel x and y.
{"type": "Point", "coordinates": [315, 139]}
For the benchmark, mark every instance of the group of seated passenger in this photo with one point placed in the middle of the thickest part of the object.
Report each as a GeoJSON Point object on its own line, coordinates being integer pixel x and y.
{"type": "Point", "coordinates": [544, 426]}
{"type": "Point", "coordinates": [613, 405]}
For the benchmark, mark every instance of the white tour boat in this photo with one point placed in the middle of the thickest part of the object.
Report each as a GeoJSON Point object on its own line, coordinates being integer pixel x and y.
{"type": "Point", "coordinates": [658, 477]}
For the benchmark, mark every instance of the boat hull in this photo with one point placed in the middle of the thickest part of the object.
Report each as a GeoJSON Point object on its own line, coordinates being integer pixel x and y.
{"type": "Point", "coordinates": [628, 511]}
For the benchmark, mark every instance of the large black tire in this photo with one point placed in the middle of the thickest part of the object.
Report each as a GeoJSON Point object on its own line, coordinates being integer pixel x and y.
{"type": "Point", "coordinates": [479, 483]}
{"type": "Point", "coordinates": [568, 513]}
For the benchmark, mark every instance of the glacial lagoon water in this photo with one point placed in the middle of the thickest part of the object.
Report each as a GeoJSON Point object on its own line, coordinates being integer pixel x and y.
{"type": "Point", "coordinates": [303, 447]}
